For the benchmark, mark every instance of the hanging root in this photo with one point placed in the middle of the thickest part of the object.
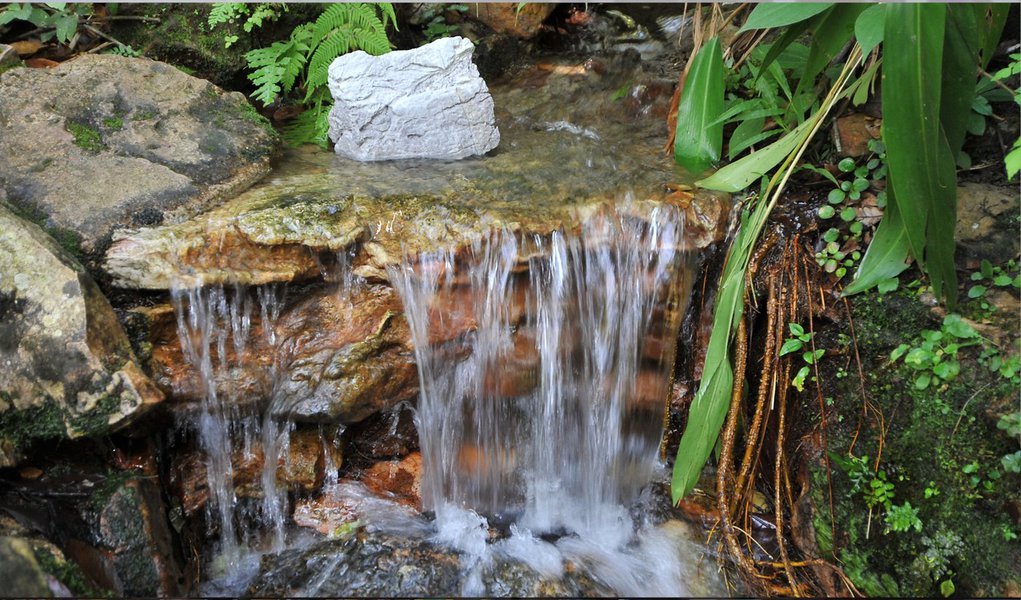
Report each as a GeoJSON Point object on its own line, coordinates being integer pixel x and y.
{"type": "Point", "coordinates": [769, 567]}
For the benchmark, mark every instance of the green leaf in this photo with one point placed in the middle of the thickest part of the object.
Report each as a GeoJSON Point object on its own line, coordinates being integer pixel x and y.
{"type": "Point", "coordinates": [826, 212]}
{"type": "Point", "coordinates": [697, 145]}
{"type": "Point", "coordinates": [831, 35]}
{"type": "Point", "coordinates": [899, 351]}
{"type": "Point", "coordinates": [923, 380]}
{"type": "Point", "coordinates": [66, 24]}
{"type": "Point", "coordinates": [947, 370]}
{"type": "Point", "coordinates": [790, 346]}
{"type": "Point", "coordinates": [781, 14]}
{"type": "Point", "coordinates": [740, 174]}
{"type": "Point", "coordinates": [848, 214]}
{"type": "Point", "coordinates": [947, 588]}
{"type": "Point", "coordinates": [868, 28]}
{"type": "Point", "coordinates": [886, 256]}
{"type": "Point", "coordinates": [976, 291]}
{"type": "Point", "coordinates": [955, 325]}
{"type": "Point", "coordinates": [799, 379]}
{"type": "Point", "coordinates": [925, 181]}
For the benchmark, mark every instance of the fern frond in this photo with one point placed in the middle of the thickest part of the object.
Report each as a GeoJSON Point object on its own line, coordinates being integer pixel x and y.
{"type": "Point", "coordinates": [277, 67]}
{"type": "Point", "coordinates": [310, 127]}
{"type": "Point", "coordinates": [223, 12]}
{"type": "Point", "coordinates": [386, 10]}
{"type": "Point", "coordinates": [340, 42]}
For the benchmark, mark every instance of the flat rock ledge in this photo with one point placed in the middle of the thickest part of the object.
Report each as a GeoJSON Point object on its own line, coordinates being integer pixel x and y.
{"type": "Point", "coordinates": [103, 141]}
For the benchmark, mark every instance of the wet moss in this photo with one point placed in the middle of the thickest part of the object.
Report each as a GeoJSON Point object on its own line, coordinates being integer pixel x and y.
{"type": "Point", "coordinates": [68, 573]}
{"type": "Point", "coordinates": [114, 123]}
{"type": "Point", "coordinates": [24, 426]}
{"type": "Point", "coordinates": [941, 452]}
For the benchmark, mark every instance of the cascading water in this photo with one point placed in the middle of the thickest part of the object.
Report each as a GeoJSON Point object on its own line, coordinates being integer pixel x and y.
{"type": "Point", "coordinates": [544, 363]}
{"type": "Point", "coordinates": [208, 318]}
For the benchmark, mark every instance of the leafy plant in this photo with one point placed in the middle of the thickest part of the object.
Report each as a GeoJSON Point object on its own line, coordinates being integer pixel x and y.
{"type": "Point", "coordinates": [988, 276]}
{"type": "Point", "coordinates": [801, 340]}
{"type": "Point", "coordinates": [903, 518]}
{"type": "Point", "coordinates": [306, 56]}
{"type": "Point", "coordinates": [435, 20]}
{"type": "Point", "coordinates": [251, 16]}
{"type": "Point", "coordinates": [58, 20]}
{"type": "Point", "coordinates": [1013, 159]}
{"type": "Point", "coordinates": [934, 354]}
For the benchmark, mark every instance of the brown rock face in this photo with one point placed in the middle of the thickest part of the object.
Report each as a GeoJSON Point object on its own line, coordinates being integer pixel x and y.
{"type": "Point", "coordinates": [508, 17]}
{"type": "Point", "coordinates": [400, 480]}
{"type": "Point", "coordinates": [302, 470]}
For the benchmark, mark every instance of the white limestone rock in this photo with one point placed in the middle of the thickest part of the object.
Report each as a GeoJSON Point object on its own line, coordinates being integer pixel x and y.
{"type": "Point", "coordinates": [429, 102]}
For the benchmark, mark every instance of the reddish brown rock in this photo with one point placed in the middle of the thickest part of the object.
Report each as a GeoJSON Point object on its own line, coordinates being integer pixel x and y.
{"type": "Point", "coordinates": [520, 19]}
{"type": "Point", "coordinates": [302, 470]}
{"type": "Point", "coordinates": [400, 480]}
{"type": "Point", "coordinates": [852, 133]}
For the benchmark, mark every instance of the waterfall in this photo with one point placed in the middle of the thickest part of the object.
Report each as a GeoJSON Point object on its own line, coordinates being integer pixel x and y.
{"type": "Point", "coordinates": [212, 322]}
{"type": "Point", "coordinates": [544, 363]}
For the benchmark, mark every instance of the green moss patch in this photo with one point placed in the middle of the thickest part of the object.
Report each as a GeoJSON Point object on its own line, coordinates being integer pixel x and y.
{"type": "Point", "coordinates": [86, 137]}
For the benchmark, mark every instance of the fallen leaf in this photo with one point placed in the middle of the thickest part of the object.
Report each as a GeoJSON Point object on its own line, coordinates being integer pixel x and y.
{"type": "Point", "coordinates": [41, 63]}
{"type": "Point", "coordinates": [27, 47]}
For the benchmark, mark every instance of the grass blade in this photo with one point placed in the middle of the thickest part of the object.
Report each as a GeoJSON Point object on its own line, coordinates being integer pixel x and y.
{"type": "Point", "coordinates": [699, 141]}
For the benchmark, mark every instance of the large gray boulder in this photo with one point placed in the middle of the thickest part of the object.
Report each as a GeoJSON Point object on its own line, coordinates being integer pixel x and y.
{"type": "Point", "coordinates": [66, 367]}
{"type": "Point", "coordinates": [103, 141]}
{"type": "Point", "coordinates": [429, 102]}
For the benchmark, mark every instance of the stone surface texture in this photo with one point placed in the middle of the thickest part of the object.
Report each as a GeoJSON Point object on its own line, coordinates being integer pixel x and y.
{"type": "Point", "coordinates": [66, 367]}
{"type": "Point", "coordinates": [103, 141]}
{"type": "Point", "coordinates": [987, 221]}
{"type": "Point", "coordinates": [521, 20]}
{"type": "Point", "coordinates": [429, 102]}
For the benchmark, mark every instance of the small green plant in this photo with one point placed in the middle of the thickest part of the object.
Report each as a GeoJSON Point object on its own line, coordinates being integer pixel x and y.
{"type": "Point", "coordinates": [902, 518]}
{"type": "Point", "coordinates": [1013, 159]}
{"type": "Point", "coordinates": [435, 20]}
{"type": "Point", "coordinates": [801, 340]}
{"type": "Point", "coordinates": [251, 16]}
{"type": "Point", "coordinates": [934, 355]}
{"type": "Point", "coordinates": [305, 59]}
{"type": "Point", "coordinates": [989, 276]}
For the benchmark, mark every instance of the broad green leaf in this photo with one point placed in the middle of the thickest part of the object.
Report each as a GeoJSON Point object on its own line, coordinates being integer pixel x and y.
{"type": "Point", "coordinates": [790, 35]}
{"type": "Point", "coordinates": [990, 19]}
{"type": "Point", "coordinates": [960, 61]}
{"type": "Point", "coordinates": [781, 14]}
{"type": "Point", "coordinates": [830, 36]}
{"type": "Point", "coordinates": [738, 175]}
{"type": "Point", "coordinates": [697, 144]}
{"type": "Point", "coordinates": [790, 346]}
{"type": "Point", "coordinates": [886, 256]}
{"type": "Point", "coordinates": [66, 24]}
{"type": "Point", "coordinates": [868, 28]}
{"type": "Point", "coordinates": [925, 181]}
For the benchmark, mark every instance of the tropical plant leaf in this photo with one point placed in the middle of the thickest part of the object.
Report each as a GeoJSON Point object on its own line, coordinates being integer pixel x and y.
{"type": "Point", "coordinates": [887, 254]}
{"type": "Point", "coordinates": [738, 175]}
{"type": "Point", "coordinates": [698, 142]}
{"type": "Point", "coordinates": [789, 36]}
{"type": "Point", "coordinates": [925, 181]}
{"type": "Point", "coordinates": [868, 27]}
{"type": "Point", "coordinates": [960, 60]}
{"type": "Point", "coordinates": [833, 32]}
{"type": "Point", "coordinates": [780, 14]}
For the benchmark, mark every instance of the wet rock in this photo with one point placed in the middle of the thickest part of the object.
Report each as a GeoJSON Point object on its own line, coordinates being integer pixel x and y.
{"type": "Point", "coordinates": [987, 221]}
{"type": "Point", "coordinates": [104, 141]}
{"type": "Point", "coordinates": [424, 103]}
{"type": "Point", "coordinates": [400, 480]}
{"type": "Point", "coordinates": [509, 17]}
{"type": "Point", "coordinates": [303, 469]}
{"type": "Point", "coordinates": [338, 358]}
{"type": "Point", "coordinates": [387, 434]}
{"type": "Point", "coordinates": [66, 367]}
{"type": "Point", "coordinates": [386, 565]}
{"type": "Point", "coordinates": [345, 359]}
{"type": "Point", "coordinates": [20, 571]}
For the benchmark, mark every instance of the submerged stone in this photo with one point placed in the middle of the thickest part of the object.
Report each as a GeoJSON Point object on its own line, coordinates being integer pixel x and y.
{"type": "Point", "coordinates": [66, 367]}
{"type": "Point", "coordinates": [424, 103]}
